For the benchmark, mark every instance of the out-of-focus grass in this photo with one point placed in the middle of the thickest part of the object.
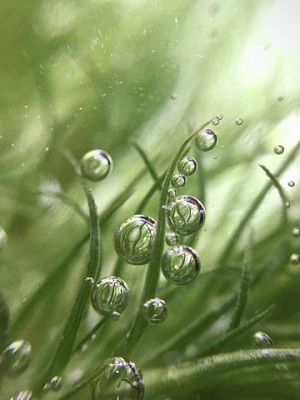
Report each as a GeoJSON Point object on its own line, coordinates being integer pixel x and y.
{"type": "Point", "coordinates": [79, 75]}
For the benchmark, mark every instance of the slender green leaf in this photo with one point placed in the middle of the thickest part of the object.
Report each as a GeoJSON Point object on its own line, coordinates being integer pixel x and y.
{"type": "Point", "coordinates": [146, 160]}
{"type": "Point", "coordinates": [4, 321]}
{"type": "Point", "coordinates": [92, 332]}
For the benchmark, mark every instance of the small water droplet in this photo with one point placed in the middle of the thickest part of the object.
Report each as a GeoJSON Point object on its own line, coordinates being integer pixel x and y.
{"type": "Point", "coordinates": [23, 395]}
{"type": "Point", "coordinates": [178, 181]}
{"type": "Point", "coordinates": [134, 239]}
{"type": "Point", "coordinates": [206, 140]}
{"type": "Point", "coordinates": [155, 311]}
{"type": "Point", "coordinates": [287, 204]}
{"type": "Point", "coordinates": [220, 117]}
{"type": "Point", "coordinates": [296, 232]}
{"type": "Point", "coordinates": [90, 280]}
{"type": "Point", "coordinates": [117, 380]}
{"type": "Point", "coordinates": [239, 121]}
{"type": "Point", "coordinates": [3, 238]}
{"type": "Point", "coordinates": [291, 183]}
{"type": "Point", "coordinates": [115, 316]}
{"type": "Point", "coordinates": [280, 98]}
{"type": "Point", "coordinates": [295, 259]}
{"type": "Point", "coordinates": [279, 149]}
{"type": "Point", "coordinates": [56, 383]}
{"type": "Point", "coordinates": [172, 239]}
{"type": "Point", "coordinates": [15, 359]}
{"type": "Point", "coordinates": [216, 121]}
{"type": "Point", "coordinates": [187, 166]}
{"type": "Point", "coordinates": [181, 265]}
{"type": "Point", "coordinates": [215, 157]}
{"type": "Point", "coordinates": [172, 193]}
{"type": "Point", "coordinates": [96, 165]}
{"type": "Point", "coordinates": [262, 340]}
{"type": "Point", "coordinates": [186, 216]}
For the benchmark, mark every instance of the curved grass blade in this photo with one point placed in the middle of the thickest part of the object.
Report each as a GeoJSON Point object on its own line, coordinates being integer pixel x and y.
{"type": "Point", "coordinates": [146, 160]}
{"type": "Point", "coordinates": [156, 185]}
{"type": "Point", "coordinates": [64, 349]}
{"type": "Point", "coordinates": [89, 335]}
{"type": "Point", "coordinates": [227, 252]}
{"type": "Point", "coordinates": [153, 269]}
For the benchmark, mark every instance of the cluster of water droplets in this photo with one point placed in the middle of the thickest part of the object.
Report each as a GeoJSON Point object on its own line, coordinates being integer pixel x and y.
{"type": "Point", "coordinates": [117, 379]}
{"type": "Point", "coordinates": [15, 358]}
{"type": "Point", "coordinates": [96, 165]}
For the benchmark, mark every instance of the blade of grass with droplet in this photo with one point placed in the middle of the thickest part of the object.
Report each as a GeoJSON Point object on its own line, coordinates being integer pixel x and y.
{"type": "Point", "coordinates": [92, 332]}
{"type": "Point", "coordinates": [228, 250]}
{"type": "Point", "coordinates": [153, 269]}
{"type": "Point", "coordinates": [146, 160]}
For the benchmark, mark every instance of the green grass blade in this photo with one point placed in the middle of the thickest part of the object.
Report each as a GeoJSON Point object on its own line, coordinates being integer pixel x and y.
{"type": "Point", "coordinates": [156, 185]}
{"type": "Point", "coordinates": [153, 270]}
{"type": "Point", "coordinates": [4, 321]}
{"type": "Point", "coordinates": [228, 337]}
{"type": "Point", "coordinates": [228, 250]}
{"type": "Point", "coordinates": [89, 335]}
{"type": "Point", "coordinates": [146, 160]}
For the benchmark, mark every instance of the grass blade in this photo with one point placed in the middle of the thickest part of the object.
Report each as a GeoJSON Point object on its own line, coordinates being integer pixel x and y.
{"type": "Point", "coordinates": [146, 160]}
{"type": "Point", "coordinates": [4, 321]}
{"type": "Point", "coordinates": [92, 332]}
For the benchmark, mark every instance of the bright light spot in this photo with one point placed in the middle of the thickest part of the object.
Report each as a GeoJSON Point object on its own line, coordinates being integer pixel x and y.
{"type": "Point", "coordinates": [255, 64]}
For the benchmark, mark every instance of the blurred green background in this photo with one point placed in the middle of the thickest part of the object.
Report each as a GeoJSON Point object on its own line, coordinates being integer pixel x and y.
{"type": "Point", "coordinates": [79, 75]}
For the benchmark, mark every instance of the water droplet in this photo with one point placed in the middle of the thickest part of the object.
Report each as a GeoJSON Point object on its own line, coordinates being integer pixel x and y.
{"type": "Point", "coordinates": [115, 316]}
{"type": "Point", "coordinates": [23, 395]}
{"type": "Point", "coordinates": [178, 181]}
{"type": "Point", "coordinates": [117, 380]}
{"type": "Point", "coordinates": [206, 140]}
{"type": "Point", "coordinates": [262, 340]}
{"type": "Point", "coordinates": [56, 383]}
{"type": "Point", "coordinates": [187, 166]}
{"type": "Point", "coordinates": [216, 121]}
{"type": "Point", "coordinates": [295, 259]}
{"type": "Point", "coordinates": [110, 295]}
{"type": "Point", "coordinates": [186, 216]}
{"type": "Point", "coordinates": [15, 358]}
{"type": "Point", "coordinates": [172, 193]}
{"type": "Point", "coordinates": [90, 280]}
{"type": "Point", "coordinates": [287, 204]}
{"type": "Point", "coordinates": [280, 98]}
{"type": "Point", "coordinates": [291, 183]}
{"type": "Point", "coordinates": [279, 149]}
{"type": "Point", "coordinates": [220, 117]}
{"type": "Point", "coordinates": [3, 238]}
{"type": "Point", "coordinates": [296, 232]}
{"type": "Point", "coordinates": [96, 165]}
{"type": "Point", "coordinates": [172, 239]}
{"type": "Point", "coordinates": [181, 265]}
{"type": "Point", "coordinates": [239, 121]}
{"type": "Point", "coordinates": [155, 311]}
{"type": "Point", "coordinates": [134, 239]}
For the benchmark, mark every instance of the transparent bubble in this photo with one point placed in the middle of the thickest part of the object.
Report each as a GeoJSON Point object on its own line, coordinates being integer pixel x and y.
{"type": "Point", "coordinates": [187, 166]}
{"type": "Point", "coordinates": [172, 193]}
{"type": "Point", "coordinates": [262, 340]}
{"type": "Point", "coordinates": [155, 311]}
{"type": "Point", "coordinates": [134, 239]}
{"type": "Point", "coordinates": [181, 265]}
{"type": "Point", "coordinates": [3, 238]}
{"type": "Point", "coordinates": [96, 165]}
{"type": "Point", "coordinates": [296, 232]}
{"type": "Point", "coordinates": [186, 215]}
{"type": "Point", "coordinates": [291, 183]}
{"type": "Point", "coordinates": [110, 295]}
{"type": "Point", "coordinates": [178, 181]}
{"type": "Point", "coordinates": [206, 140]}
{"type": "Point", "coordinates": [172, 239]}
{"type": "Point", "coordinates": [115, 316]}
{"type": "Point", "coordinates": [279, 149]}
{"type": "Point", "coordinates": [23, 395]}
{"type": "Point", "coordinates": [117, 380]}
{"type": "Point", "coordinates": [15, 359]}
{"type": "Point", "coordinates": [239, 121]}
{"type": "Point", "coordinates": [216, 121]}
{"type": "Point", "coordinates": [295, 259]}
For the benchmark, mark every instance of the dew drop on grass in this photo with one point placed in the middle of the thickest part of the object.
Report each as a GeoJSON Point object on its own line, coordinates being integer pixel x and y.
{"type": "Point", "coordinates": [15, 359]}
{"type": "Point", "coordinates": [206, 140]}
{"type": "Point", "coordinates": [54, 385]}
{"type": "Point", "coordinates": [155, 311]}
{"type": "Point", "coordinates": [220, 117]}
{"type": "Point", "coordinates": [181, 265]}
{"type": "Point", "coordinates": [287, 204]}
{"type": "Point", "coordinates": [172, 239]}
{"type": "Point", "coordinates": [117, 380]}
{"type": "Point", "coordinates": [110, 295]}
{"type": "Point", "coordinates": [296, 232]}
{"type": "Point", "coordinates": [178, 181]}
{"type": "Point", "coordinates": [187, 166]}
{"type": "Point", "coordinates": [23, 395]}
{"type": "Point", "coordinates": [291, 183]}
{"type": "Point", "coordinates": [134, 239]}
{"type": "Point", "coordinates": [295, 259]}
{"type": "Point", "coordinates": [3, 238]}
{"type": "Point", "coordinates": [239, 121]}
{"type": "Point", "coordinates": [279, 149]}
{"type": "Point", "coordinates": [96, 165]}
{"type": "Point", "coordinates": [216, 121]}
{"type": "Point", "coordinates": [115, 316]}
{"type": "Point", "coordinates": [262, 340]}
{"type": "Point", "coordinates": [186, 215]}
{"type": "Point", "coordinates": [172, 193]}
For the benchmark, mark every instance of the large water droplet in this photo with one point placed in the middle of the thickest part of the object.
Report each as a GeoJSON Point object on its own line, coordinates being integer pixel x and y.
{"type": "Point", "coordinates": [178, 181]}
{"type": "Point", "coordinates": [23, 395]}
{"type": "Point", "coordinates": [181, 265]}
{"type": "Point", "coordinates": [134, 239]}
{"type": "Point", "coordinates": [118, 380]}
{"type": "Point", "coordinates": [186, 215]}
{"type": "Point", "coordinates": [295, 259]}
{"type": "Point", "coordinates": [110, 295]}
{"type": "Point", "coordinates": [279, 149]}
{"type": "Point", "coordinates": [155, 311]}
{"type": "Point", "coordinates": [96, 165]}
{"type": "Point", "coordinates": [187, 166]}
{"type": "Point", "coordinates": [296, 232]}
{"type": "Point", "coordinates": [15, 358]}
{"type": "Point", "coordinates": [206, 140]}
{"type": "Point", "coordinates": [172, 239]}
{"type": "Point", "coordinates": [262, 340]}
